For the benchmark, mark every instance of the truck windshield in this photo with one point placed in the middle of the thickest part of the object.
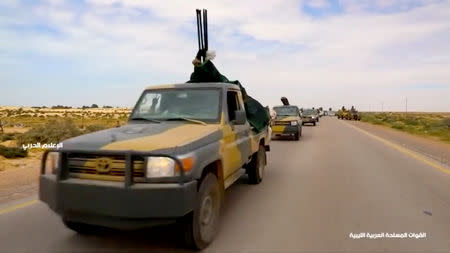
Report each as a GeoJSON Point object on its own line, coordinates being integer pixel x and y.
{"type": "Point", "coordinates": [200, 104]}
{"type": "Point", "coordinates": [308, 112]}
{"type": "Point", "coordinates": [286, 111]}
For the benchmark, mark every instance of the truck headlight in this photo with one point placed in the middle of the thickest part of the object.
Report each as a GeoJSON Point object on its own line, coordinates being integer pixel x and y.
{"type": "Point", "coordinates": [51, 164]}
{"type": "Point", "coordinates": [294, 123]}
{"type": "Point", "coordinates": [313, 117]}
{"type": "Point", "coordinates": [166, 167]}
{"type": "Point", "coordinates": [160, 167]}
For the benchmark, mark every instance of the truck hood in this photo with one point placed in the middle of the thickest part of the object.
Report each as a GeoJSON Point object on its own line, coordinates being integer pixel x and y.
{"type": "Point", "coordinates": [164, 137]}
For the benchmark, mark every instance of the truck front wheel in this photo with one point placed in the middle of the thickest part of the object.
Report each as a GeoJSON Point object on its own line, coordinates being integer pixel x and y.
{"type": "Point", "coordinates": [200, 226]}
{"type": "Point", "coordinates": [256, 166]}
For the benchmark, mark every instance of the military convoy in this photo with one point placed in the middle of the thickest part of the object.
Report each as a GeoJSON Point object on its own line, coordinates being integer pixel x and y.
{"type": "Point", "coordinates": [183, 145]}
{"type": "Point", "coordinates": [351, 114]}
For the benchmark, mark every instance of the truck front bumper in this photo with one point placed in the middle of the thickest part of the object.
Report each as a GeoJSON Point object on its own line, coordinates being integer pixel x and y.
{"type": "Point", "coordinates": [309, 120]}
{"type": "Point", "coordinates": [287, 130]}
{"type": "Point", "coordinates": [110, 204]}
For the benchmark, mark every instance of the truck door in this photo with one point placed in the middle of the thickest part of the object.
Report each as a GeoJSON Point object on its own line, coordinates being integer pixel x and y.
{"type": "Point", "coordinates": [237, 145]}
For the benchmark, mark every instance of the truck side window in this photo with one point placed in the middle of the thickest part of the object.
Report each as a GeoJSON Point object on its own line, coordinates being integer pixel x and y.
{"type": "Point", "coordinates": [233, 104]}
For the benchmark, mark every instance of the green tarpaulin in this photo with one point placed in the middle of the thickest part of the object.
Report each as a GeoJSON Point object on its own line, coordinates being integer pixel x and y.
{"type": "Point", "coordinates": [257, 115]}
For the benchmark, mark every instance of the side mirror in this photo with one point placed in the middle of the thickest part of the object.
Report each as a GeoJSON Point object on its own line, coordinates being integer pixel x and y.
{"type": "Point", "coordinates": [240, 117]}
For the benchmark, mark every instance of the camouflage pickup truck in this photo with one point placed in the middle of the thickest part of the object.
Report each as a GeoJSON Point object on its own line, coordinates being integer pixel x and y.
{"type": "Point", "coordinates": [288, 122]}
{"type": "Point", "coordinates": [183, 146]}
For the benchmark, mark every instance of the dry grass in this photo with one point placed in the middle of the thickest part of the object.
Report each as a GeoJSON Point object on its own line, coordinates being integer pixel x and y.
{"type": "Point", "coordinates": [435, 125]}
{"type": "Point", "coordinates": [21, 119]}
{"type": "Point", "coordinates": [25, 124]}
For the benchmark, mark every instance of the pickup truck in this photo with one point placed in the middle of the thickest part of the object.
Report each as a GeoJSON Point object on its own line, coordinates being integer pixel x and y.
{"type": "Point", "coordinates": [288, 122]}
{"type": "Point", "coordinates": [183, 145]}
{"type": "Point", "coordinates": [310, 116]}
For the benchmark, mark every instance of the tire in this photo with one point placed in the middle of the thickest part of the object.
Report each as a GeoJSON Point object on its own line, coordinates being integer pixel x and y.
{"type": "Point", "coordinates": [314, 124]}
{"type": "Point", "coordinates": [297, 136]}
{"type": "Point", "coordinates": [200, 226]}
{"type": "Point", "coordinates": [82, 228]}
{"type": "Point", "coordinates": [256, 166]}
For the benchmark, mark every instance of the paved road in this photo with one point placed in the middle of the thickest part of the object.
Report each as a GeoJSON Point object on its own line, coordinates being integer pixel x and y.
{"type": "Point", "coordinates": [333, 182]}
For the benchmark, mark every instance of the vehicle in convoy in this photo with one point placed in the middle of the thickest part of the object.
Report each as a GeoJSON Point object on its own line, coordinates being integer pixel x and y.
{"type": "Point", "coordinates": [310, 116]}
{"type": "Point", "coordinates": [353, 114]}
{"type": "Point", "coordinates": [288, 122]}
{"type": "Point", "coordinates": [331, 113]}
{"type": "Point", "coordinates": [343, 113]}
{"type": "Point", "coordinates": [182, 147]}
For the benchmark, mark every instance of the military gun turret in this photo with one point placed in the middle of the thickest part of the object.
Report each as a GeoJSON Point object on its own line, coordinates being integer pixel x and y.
{"type": "Point", "coordinates": [284, 100]}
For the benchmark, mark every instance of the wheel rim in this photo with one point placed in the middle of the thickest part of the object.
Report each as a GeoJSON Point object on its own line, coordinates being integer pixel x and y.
{"type": "Point", "coordinates": [208, 213]}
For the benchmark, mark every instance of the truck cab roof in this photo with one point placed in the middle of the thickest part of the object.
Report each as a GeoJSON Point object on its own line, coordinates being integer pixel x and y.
{"type": "Point", "coordinates": [194, 85]}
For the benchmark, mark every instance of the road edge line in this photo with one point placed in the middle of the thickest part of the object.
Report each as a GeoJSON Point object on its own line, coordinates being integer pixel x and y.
{"type": "Point", "coordinates": [404, 150]}
{"type": "Point", "coordinates": [18, 206]}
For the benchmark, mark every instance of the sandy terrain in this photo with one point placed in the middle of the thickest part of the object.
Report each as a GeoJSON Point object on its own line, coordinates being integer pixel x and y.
{"type": "Point", "coordinates": [15, 129]}
{"type": "Point", "coordinates": [18, 177]}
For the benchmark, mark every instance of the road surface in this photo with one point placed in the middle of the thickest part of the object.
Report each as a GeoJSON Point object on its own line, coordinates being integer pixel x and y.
{"type": "Point", "coordinates": [335, 181]}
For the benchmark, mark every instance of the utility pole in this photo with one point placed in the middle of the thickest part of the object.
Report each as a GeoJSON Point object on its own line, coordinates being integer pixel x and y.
{"type": "Point", "coordinates": [406, 110]}
{"type": "Point", "coordinates": [382, 106]}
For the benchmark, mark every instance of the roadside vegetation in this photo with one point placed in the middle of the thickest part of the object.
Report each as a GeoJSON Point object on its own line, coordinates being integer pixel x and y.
{"type": "Point", "coordinates": [52, 125]}
{"type": "Point", "coordinates": [425, 124]}
{"type": "Point", "coordinates": [12, 152]}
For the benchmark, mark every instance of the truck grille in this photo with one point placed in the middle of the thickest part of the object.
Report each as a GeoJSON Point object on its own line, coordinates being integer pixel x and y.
{"type": "Point", "coordinates": [96, 166]}
{"type": "Point", "coordinates": [282, 123]}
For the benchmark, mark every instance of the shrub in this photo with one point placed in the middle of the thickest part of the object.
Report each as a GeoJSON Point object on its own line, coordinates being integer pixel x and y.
{"type": "Point", "coordinates": [6, 137]}
{"type": "Point", "coordinates": [445, 122]}
{"type": "Point", "coordinates": [398, 125]}
{"type": "Point", "coordinates": [12, 152]}
{"type": "Point", "coordinates": [53, 131]}
{"type": "Point", "coordinates": [94, 128]}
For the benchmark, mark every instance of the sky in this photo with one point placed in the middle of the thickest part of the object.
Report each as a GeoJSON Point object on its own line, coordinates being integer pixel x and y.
{"type": "Point", "coordinates": [373, 54]}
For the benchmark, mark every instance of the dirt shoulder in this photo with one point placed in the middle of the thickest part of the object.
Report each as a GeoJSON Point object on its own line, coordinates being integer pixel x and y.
{"type": "Point", "coordinates": [435, 149]}
{"type": "Point", "coordinates": [19, 177]}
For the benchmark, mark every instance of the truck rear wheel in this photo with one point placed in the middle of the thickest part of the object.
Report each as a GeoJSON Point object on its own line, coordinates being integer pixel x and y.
{"type": "Point", "coordinates": [200, 226]}
{"type": "Point", "coordinates": [256, 166]}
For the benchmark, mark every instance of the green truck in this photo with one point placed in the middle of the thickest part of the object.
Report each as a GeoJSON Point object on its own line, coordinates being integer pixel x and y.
{"type": "Point", "coordinates": [183, 146]}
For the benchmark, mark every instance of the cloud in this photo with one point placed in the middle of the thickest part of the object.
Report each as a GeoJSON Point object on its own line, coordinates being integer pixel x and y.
{"type": "Point", "coordinates": [361, 53]}
{"type": "Point", "coordinates": [318, 3]}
